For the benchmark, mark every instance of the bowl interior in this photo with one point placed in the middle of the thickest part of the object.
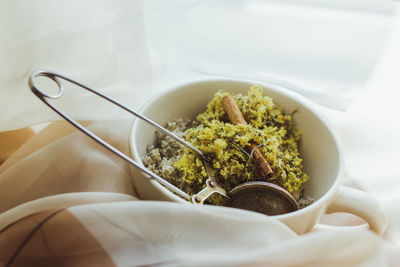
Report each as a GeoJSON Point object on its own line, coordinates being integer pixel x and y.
{"type": "Point", "coordinates": [318, 148]}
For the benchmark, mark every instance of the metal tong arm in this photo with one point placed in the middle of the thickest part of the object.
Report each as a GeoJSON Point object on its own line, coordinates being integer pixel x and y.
{"type": "Point", "coordinates": [211, 187]}
{"type": "Point", "coordinates": [56, 78]}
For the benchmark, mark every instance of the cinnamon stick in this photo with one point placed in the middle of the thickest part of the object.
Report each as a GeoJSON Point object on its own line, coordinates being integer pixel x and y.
{"type": "Point", "coordinates": [236, 117]}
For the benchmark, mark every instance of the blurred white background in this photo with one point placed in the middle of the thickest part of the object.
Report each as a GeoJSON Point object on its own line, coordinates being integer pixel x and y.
{"type": "Point", "coordinates": [326, 50]}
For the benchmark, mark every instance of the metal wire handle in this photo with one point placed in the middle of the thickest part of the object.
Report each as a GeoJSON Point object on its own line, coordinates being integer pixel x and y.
{"type": "Point", "coordinates": [56, 78]}
{"type": "Point", "coordinates": [249, 155]}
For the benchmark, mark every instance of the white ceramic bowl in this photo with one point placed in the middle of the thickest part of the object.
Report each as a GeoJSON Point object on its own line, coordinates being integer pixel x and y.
{"type": "Point", "coordinates": [320, 149]}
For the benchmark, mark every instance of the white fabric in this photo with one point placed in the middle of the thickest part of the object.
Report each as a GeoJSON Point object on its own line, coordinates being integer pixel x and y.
{"type": "Point", "coordinates": [142, 232]}
{"type": "Point", "coordinates": [320, 49]}
{"type": "Point", "coordinates": [134, 49]}
{"type": "Point", "coordinates": [170, 234]}
{"type": "Point", "coordinates": [103, 44]}
{"type": "Point", "coordinates": [82, 166]}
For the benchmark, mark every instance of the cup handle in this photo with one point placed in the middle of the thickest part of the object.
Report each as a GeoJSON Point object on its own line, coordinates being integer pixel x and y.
{"type": "Point", "coordinates": [362, 205]}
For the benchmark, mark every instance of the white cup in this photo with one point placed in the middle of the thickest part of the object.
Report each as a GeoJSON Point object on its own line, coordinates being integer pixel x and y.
{"type": "Point", "coordinates": [320, 149]}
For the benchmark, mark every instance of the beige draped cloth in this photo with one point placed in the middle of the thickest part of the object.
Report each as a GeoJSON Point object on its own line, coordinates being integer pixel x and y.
{"type": "Point", "coordinates": [66, 201]}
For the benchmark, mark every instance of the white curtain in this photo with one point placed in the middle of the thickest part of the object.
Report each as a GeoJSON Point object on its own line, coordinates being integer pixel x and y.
{"type": "Point", "coordinates": [131, 50]}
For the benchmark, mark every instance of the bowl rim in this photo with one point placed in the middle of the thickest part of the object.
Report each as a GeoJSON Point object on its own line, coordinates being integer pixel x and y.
{"type": "Point", "coordinates": [285, 90]}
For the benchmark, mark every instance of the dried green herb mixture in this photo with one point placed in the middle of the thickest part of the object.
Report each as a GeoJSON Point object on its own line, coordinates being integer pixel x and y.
{"type": "Point", "coordinates": [214, 135]}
